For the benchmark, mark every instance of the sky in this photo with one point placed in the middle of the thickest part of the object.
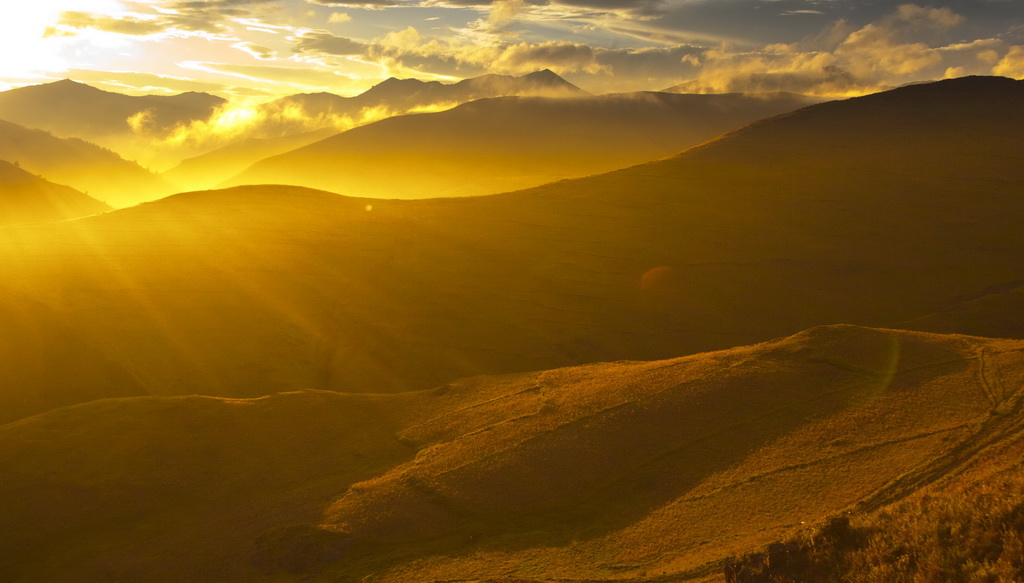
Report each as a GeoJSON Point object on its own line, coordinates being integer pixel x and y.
{"type": "Point", "coordinates": [260, 49]}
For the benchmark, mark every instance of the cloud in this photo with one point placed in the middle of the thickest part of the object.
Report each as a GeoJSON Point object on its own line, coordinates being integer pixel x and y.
{"type": "Point", "coordinates": [501, 15]}
{"type": "Point", "coordinates": [407, 49]}
{"type": "Point", "coordinates": [323, 42]}
{"type": "Point", "coordinates": [295, 77]}
{"type": "Point", "coordinates": [260, 52]}
{"type": "Point", "coordinates": [799, 12]}
{"type": "Point", "coordinates": [1012, 64]}
{"type": "Point", "coordinates": [339, 17]}
{"type": "Point", "coordinates": [193, 16]}
{"type": "Point", "coordinates": [903, 46]}
{"type": "Point", "coordinates": [139, 82]}
{"type": "Point", "coordinates": [368, 4]}
{"type": "Point", "coordinates": [564, 57]}
{"type": "Point", "coordinates": [130, 25]}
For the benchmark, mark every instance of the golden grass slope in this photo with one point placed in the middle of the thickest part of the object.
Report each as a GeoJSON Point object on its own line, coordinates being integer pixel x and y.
{"type": "Point", "coordinates": [610, 471]}
{"type": "Point", "coordinates": [502, 144]}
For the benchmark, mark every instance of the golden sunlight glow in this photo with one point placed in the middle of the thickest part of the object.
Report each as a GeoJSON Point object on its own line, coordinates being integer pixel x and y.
{"type": "Point", "coordinates": [26, 31]}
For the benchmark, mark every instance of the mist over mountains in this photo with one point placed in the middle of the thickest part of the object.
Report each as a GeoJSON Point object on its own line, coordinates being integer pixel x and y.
{"type": "Point", "coordinates": [159, 130]}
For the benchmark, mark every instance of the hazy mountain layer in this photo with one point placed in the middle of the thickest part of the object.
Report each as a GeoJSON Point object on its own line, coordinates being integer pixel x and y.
{"type": "Point", "coordinates": [496, 145]}
{"type": "Point", "coordinates": [26, 198]}
{"type": "Point", "coordinates": [615, 471]}
{"type": "Point", "coordinates": [87, 167]}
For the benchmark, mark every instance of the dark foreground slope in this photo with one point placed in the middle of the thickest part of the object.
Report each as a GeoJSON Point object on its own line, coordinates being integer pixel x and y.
{"type": "Point", "coordinates": [869, 211]}
{"type": "Point", "coordinates": [496, 145]}
{"type": "Point", "coordinates": [615, 471]}
{"type": "Point", "coordinates": [27, 198]}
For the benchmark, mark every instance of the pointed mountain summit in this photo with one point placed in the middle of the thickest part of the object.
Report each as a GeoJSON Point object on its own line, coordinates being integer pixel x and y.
{"type": "Point", "coordinates": [548, 78]}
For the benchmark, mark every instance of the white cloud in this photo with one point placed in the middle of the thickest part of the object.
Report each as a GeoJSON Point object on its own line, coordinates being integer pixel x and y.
{"type": "Point", "coordinates": [1012, 64]}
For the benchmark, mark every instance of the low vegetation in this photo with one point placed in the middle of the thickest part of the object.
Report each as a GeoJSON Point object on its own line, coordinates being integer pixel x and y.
{"type": "Point", "coordinates": [969, 531]}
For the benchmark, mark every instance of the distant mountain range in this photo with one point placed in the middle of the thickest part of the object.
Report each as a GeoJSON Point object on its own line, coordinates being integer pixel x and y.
{"type": "Point", "coordinates": [501, 144]}
{"type": "Point", "coordinates": [27, 198]}
{"type": "Point", "coordinates": [134, 125]}
{"type": "Point", "coordinates": [70, 109]}
{"type": "Point", "coordinates": [402, 95]}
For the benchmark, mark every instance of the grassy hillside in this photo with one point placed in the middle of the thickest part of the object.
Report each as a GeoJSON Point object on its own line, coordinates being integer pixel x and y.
{"type": "Point", "coordinates": [968, 526]}
{"type": "Point", "coordinates": [611, 471]}
{"type": "Point", "coordinates": [496, 145]}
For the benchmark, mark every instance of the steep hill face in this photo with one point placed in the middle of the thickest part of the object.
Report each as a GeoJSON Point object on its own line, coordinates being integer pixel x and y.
{"type": "Point", "coordinates": [495, 145]}
{"type": "Point", "coordinates": [615, 471]}
{"type": "Point", "coordinates": [26, 198]}
{"type": "Point", "coordinates": [767, 231]}
{"type": "Point", "coordinates": [87, 167]}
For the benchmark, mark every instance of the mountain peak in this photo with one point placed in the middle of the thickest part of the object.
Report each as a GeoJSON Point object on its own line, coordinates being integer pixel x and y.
{"type": "Point", "coordinates": [550, 80]}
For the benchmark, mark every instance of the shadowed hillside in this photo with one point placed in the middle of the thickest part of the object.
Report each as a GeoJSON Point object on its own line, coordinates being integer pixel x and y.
{"type": "Point", "coordinates": [769, 230]}
{"type": "Point", "coordinates": [495, 145]}
{"type": "Point", "coordinates": [87, 167]}
{"type": "Point", "coordinates": [26, 198]}
{"type": "Point", "coordinates": [614, 471]}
